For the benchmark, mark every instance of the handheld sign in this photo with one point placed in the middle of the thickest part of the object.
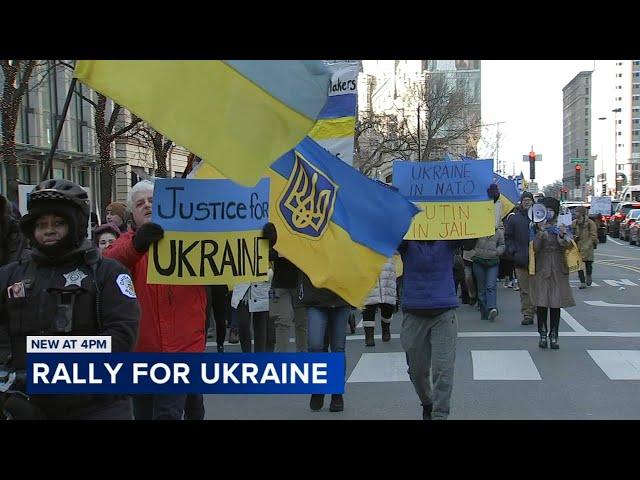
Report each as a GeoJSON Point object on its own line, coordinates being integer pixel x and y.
{"type": "Point", "coordinates": [452, 196]}
{"type": "Point", "coordinates": [213, 232]}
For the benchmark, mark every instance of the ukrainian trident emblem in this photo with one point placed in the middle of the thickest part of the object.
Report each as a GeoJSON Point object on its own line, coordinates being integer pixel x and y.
{"type": "Point", "coordinates": [306, 205]}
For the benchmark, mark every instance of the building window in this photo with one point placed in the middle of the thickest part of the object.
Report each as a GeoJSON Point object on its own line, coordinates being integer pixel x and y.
{"type": "Point", "coordinates": [636, 62]}
{"type": "Point", "coordinates": [586, 91]}
{"type": "Point", "coordinates": [619, 75]}
{"type": "Point", "coordinates": [58, 173]}
{"type": "Point", "coordinates": [620, 167]}
{"type": "Point", "coordinates": [619, 122]}
{"type": "Point", "coordinates": [636, 121]}
{"type": "Point", "coordinates": [25, 174]}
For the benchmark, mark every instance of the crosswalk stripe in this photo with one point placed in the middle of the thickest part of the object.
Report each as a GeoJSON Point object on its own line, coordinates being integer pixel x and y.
{"type": "Point", "coordinates": [618, 364]}
{"type": "Point", "coordinates": [380, 367]}
{"type": "Point", "coordinates": [503, 365]}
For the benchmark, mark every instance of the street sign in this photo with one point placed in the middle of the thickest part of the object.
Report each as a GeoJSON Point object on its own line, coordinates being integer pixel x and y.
{"type": "Point", "coordinates": [525, 158]}
{"type": "Point", "coordinates": [578, 160]}
{"type": "Point", "coordinates": [602, 177]}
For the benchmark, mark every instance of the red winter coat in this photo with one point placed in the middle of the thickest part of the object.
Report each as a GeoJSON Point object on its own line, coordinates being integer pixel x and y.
{"type": "Point", "coordinates": [173, 316]}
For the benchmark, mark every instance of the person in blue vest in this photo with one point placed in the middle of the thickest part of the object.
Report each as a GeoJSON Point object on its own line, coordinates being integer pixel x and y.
{"type": "Point", "coordinates": [429, 325]}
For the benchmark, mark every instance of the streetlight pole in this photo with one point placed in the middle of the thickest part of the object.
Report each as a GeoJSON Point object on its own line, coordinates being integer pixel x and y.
{"type": "Point", "coordinates": [601, 164]}
{"type": "Point", "coordinates": [615, 145]}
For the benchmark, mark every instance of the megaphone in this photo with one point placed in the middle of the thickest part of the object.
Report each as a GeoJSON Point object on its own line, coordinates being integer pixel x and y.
{"type": "Point", "coordinates": [537, 213]}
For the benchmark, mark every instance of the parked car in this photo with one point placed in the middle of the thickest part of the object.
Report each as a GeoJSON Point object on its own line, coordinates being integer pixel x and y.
{"type": "Point", "coordinates": [634, 234]}
{"type": "Point", "coordinates": [631, 218]}
{"type": "Point", "coordinates": [622, 210]}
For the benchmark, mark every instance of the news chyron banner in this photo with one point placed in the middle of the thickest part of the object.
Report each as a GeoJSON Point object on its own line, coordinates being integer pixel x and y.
{"type": "Point", "coordinates": [212, 232]}
{"type": "Point", "coordinates": [85, 365]}
{"type": "Point", "coordinates": [452, 197]}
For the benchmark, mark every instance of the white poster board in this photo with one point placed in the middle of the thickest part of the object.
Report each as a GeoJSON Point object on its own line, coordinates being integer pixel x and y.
{"type": "Point", "coordinates": [23, 196]}
{"type": "Point", "coordinates": [601, 205]}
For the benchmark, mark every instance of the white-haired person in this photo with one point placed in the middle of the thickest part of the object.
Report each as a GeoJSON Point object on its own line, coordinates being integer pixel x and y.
{"type": "Point", "coordinates": [173, 316]}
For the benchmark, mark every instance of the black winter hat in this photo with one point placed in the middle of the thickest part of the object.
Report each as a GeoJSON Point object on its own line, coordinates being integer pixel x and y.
{"type": "Point", "coordinates": [552, 203]}
{"type": "Point", "coordinates": [526, 195]}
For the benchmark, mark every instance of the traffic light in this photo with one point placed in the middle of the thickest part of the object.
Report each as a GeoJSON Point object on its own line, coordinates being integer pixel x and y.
{"type": "Point", "coordinates": [577, 175]}
{"type": "Point", "coordinates": [532, 165]}
{"type": "Point", "coordinates": [604, 189]}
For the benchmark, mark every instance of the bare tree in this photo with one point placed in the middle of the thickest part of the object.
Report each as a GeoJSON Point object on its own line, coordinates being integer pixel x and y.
{"type": "Point", "coordinates": [16, 74]}
{"type": "Point", "coordinates": [106, 134]}
{"type": "Point", "coordinates": [160, 145]}
{"type": "Point", "coordinates": [553, 190]}
{"type": "Point", "coordinates": [450, 116]}
{"type": "Point", "coordinates": [378, 140]}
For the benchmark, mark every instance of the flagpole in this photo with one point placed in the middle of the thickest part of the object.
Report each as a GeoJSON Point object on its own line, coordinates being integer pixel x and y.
{"type": "Point", "coordinates": [48, 171]}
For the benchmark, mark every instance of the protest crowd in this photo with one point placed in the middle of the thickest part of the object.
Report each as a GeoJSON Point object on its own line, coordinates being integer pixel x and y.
{"type": "Point", "coordinates": [58, 277]}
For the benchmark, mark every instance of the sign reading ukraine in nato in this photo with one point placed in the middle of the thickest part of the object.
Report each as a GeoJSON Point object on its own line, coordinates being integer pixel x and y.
{"type": "Point", "coordinates": [213, 232]}
{"type": "Point", "coordinates": [452, 197]}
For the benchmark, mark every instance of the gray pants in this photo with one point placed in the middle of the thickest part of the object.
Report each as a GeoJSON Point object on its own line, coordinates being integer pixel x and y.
{"type": "Point", "coordinates": [528, 310]}
{"type": "Point", "coordinates": [283, 313]}
{"type": "Point", "coordinates": [430, 347]}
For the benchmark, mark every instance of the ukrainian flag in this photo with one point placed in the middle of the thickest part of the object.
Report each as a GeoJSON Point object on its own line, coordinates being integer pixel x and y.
{"type": "Point", "coordinates": [509, 195]}
{"type": "Point", "coordinates": [335, 224]}
{"type": "Point", "coordinates": [237, 115]}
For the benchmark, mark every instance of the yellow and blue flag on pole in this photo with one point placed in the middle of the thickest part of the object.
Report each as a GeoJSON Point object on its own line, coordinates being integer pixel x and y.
{"type": "Point", "coordinates": [335, 128]}
{"type": "Point", "coordinates": [238, 115]}
{"type": "Point", "coordinates": [335, 224]}
{"type": "Point", "coordinates": [509, 196]}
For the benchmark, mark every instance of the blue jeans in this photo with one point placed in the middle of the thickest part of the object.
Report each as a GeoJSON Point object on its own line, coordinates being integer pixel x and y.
{"type": "Point", "coordinates": [486, 279]}
{"type": "Point", "coordinates": [320, 319]}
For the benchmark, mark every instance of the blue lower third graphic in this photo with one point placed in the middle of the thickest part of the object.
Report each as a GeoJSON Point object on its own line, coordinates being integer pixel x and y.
{"type": "Point", "coordinates": [157, 373]}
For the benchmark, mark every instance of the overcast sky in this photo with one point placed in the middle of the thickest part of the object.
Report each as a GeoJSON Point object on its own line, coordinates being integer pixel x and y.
{"type": "Point", "coordinates": [527, 95]}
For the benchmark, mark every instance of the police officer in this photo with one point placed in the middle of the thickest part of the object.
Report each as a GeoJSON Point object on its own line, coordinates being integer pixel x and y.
{"type": "Point", "coordinates": [63, 286]}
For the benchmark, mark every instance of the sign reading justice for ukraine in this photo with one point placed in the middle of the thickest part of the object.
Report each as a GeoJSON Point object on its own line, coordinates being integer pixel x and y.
{"type": "Point", "coordinates": [452, 197]}
{"type": "Point", "coordinates": [212, 232]}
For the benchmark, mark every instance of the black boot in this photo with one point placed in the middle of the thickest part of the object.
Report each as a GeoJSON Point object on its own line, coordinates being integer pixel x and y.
{"type": "Point", "coordinates": [368, 337]}
{"type": "Point", "coordinates": [542, 330]}
{"type": "Point", "coordinates": [337, 403]}
{"type": "Point", "coordinates": [553, 332]}
{"type": "Point", "coordinates": [543, 340]}
{"type": "Point", "coordinates": [426, 411]}
{"type": "Point", "coordinates": [386, 331]}
{"type": "Point", "coordinates": [317, 401]}
{"type": "Point", "coordinates": [352, 323]}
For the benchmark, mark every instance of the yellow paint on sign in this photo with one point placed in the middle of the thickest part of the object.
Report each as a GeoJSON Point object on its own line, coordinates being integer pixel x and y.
{"type": "Point", "coordinates": [452, 221]}
{"type": "Point", "coordinates": [209, 258]}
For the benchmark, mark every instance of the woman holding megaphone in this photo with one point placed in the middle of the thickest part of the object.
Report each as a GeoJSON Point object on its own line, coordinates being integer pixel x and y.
{"type": "Point", "coordinates": [550, 289]}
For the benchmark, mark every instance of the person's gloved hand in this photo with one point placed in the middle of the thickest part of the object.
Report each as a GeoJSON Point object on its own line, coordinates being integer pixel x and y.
{"type": "Point", "coordinates": [493, 192]}
{"type": "Point", "coordinates": [269, 232]}
{"type": "Point", "coordinates": [147, 234]}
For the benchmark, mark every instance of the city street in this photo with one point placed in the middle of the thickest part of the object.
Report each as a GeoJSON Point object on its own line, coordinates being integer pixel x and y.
{"type": "Point", "coordinates": [500, 372]}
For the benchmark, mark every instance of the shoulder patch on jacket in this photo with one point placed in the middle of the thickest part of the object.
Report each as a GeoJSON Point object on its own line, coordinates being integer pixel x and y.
{"type": "Point", "coordinates": [126, 285]}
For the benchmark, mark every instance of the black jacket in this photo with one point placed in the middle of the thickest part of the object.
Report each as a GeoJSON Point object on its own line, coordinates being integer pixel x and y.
{"type": "Point", "coordinates": [516, 238]}
{"type": "Point", "coordinates": [311, 296]}
{"type": "Point", "coordinates": [46, 288]}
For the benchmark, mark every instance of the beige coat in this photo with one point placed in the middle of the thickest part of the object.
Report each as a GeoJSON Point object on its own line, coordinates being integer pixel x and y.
{"type": "Point", "coordinates": [549, 287]}
{"type": "Point", "coordinates": [586, 237]}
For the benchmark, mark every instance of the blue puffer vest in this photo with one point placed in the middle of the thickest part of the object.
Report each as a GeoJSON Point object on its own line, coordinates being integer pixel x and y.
{"type": "Point", "coordinates": [427, 281]}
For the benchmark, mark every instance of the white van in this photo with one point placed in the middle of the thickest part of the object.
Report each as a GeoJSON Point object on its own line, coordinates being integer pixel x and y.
{"type": "Point", "coordinates": [631, 194]}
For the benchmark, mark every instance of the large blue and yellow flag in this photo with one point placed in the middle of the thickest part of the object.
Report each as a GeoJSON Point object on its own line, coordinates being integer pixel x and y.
{"type": "Point", "coordinates": [509, 196]}
{"type": "Point", "coordinates": [335, 224]}
{"type": "Point", "coordinates": [240, 116]}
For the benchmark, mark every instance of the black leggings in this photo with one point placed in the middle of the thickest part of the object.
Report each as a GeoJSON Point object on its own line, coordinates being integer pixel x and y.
{"type": "Point", "coordinates": [263, 330]}
{"type": "Point", "coordinates": [369, 312]}
{"type": "Point", "coordinates": [542, 320]}
{"type": "Point", "coordinates": [589, 267]}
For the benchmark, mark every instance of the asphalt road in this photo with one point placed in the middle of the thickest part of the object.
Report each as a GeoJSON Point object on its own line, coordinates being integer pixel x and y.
{"type": "Point", "coordinates": [500, 372]}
